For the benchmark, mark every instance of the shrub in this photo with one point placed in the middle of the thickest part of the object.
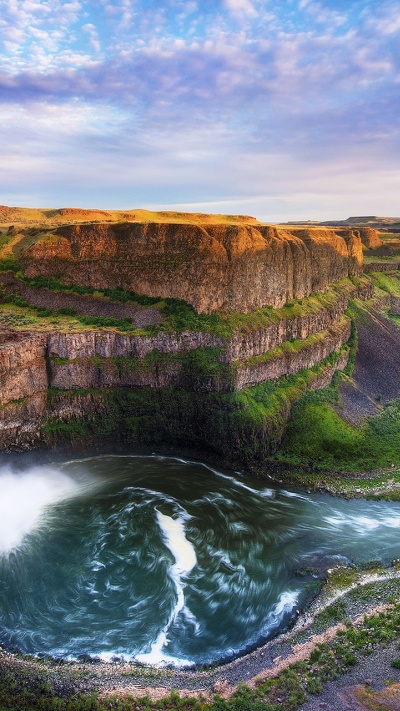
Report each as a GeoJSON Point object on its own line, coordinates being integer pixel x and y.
{"type": "Point", "coordinates": [124, 324]}
{"type": "Point", "coordinates": [314, 685]}
{"type": "Point", "coordinates": [16, 300]}
{"type": "Point", "coordinates": [66, 311]}
{"type": "Point", "coordinates": [43, 311]}
{"type": "Point", "coordinates": [8, 264]}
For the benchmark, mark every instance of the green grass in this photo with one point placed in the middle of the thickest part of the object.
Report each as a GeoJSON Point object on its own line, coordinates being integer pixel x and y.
{"type": "Point", "coordinates": [123, 324]}
{"type": "Point", "coordinates": [318, 436]}
{"type": "Point", "coordinates": [24, 689]}
{"type": "Point", "coordinates": [177, 315]}
{"type": "Point", "coordinates": [8, 264]}
{"type": "Point", "coordinates": [317, 433]}
{"type": "Point", "coordinates": [16, 320]}
{"type": "Point", "coordinates": [385, 281]}
{"type": "Point", "coordinates": [5, 238]}
{"type": "Point", "coordinates": [70, 316]}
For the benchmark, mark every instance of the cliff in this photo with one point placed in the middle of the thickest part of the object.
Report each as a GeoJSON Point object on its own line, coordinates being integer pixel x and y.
{"type": "Point", "coordinates": [159, 372]}
{"type": "Point", "coordinates": [191, 386]}
{"type": "Point", "coordinates": [370, 237]}
{"type": "Point", "coordinates": [32, 363]}
{"type": "Point", "coordinates": [214, 267]}
{"type": "Point", "coordinates": [22, 365]}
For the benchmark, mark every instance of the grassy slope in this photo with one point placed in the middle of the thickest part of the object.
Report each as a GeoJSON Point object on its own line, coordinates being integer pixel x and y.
{"type": "Point", "coordinates": [319, 437]}
{"type": "Point", "coordinates": [34, 217]}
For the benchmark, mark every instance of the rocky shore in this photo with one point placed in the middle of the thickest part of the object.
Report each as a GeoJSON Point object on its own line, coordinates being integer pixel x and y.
{"type": "Point", "coordinates": [358, 593]}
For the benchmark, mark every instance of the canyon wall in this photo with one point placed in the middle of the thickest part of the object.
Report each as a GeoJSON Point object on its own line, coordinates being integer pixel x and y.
{"type": "Point", "coordinates": [370, 237]}
{"type": "Point", "coordinates": [214, 267]}
{"type": "Point", "coordinates": [32, 363]}
{"type": "Point", "coordinates": [231, 393]}
{"type": "Point", "coordinates": [190, 387]}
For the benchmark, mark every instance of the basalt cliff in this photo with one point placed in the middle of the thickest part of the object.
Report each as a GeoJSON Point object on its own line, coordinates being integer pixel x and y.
{"type": "Point", "coordinates": [213, 267]}
{"type": "Point", "coordinates": [267, 321]}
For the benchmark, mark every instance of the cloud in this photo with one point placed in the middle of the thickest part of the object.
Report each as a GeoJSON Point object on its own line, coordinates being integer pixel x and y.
{"type": "Point", "coordinates": [241, 7]}
{"type": "Point", "coordinates": [200, 101]}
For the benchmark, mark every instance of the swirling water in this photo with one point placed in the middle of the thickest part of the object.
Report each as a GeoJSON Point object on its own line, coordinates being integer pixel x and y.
{"type": "Point", "coordinates": [166, 561]}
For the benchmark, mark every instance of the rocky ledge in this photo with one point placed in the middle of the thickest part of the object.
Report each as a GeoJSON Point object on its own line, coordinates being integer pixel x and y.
{"type": "Point", "coordinates": [214, 267]}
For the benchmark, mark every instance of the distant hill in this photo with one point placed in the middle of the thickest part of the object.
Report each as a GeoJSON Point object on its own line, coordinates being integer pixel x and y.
{"type": "Point", "coordinates": [391, 224]}
{"type": "Point", "coordinates": [35, 217]}
{"type": "Point", "coordinates": [370, 220]}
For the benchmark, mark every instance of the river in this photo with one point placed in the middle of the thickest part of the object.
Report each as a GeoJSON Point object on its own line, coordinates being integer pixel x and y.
{"type": "Point", "coordinates": [162, 560]}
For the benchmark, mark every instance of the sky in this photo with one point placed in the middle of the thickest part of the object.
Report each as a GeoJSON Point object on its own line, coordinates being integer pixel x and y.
{"type": "Point", "coordinates": [281, 109]}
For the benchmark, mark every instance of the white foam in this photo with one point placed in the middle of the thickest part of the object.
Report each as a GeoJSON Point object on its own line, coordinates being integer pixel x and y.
{"type": "Point", "coordinates": [363, 524]}
{"type": "Point", "coordinates": [24, 499]}
{"type": "Point", "coordinates": [286, 602]}
{"type": "Point", "coordinates": [173, 533]}
{"type": "Point", "coordinates": [293, 495]}
{"type": "Point", "coordinates": [266, 493]}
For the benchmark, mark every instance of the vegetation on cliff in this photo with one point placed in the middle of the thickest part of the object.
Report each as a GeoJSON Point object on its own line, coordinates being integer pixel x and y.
{"type": "Point", "coordinates": [174, 315]}
{"type": "Point", "coordinates": [294, 428]}
{"type": "Point", "coordinates": [237, 427]}
{"type": "Point", "coordinates": [318, 436]}
{"type": "Point", "coordinates": [259, 347]}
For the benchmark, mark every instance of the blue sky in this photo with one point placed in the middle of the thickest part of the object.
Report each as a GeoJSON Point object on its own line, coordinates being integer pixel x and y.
{"type": "Point", "coordinates": [279, 109]}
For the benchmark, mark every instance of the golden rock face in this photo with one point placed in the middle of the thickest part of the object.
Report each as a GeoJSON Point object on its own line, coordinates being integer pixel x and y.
{"type": "Point", "coordinates": [212, 266]}
{"type": "Point", "coordinates": [370, 237]}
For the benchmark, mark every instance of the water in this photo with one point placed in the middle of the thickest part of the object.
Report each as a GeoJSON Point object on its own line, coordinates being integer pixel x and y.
{"type": "Point", "coordinates": [166, 561]}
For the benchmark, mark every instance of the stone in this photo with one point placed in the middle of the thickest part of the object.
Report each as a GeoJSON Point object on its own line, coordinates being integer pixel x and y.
{"type": "Point", "coordinates": [214, 267]}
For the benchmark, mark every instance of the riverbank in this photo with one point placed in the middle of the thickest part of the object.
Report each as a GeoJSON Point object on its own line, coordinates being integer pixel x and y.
{"type": "Point", "coordinates": [331, 639]}
{"type": "Point", "coordinates": [374, 484]}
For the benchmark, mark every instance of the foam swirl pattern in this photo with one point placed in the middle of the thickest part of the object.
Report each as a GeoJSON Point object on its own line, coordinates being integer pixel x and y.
{"type": "Point", "coordinates": [165, 561]}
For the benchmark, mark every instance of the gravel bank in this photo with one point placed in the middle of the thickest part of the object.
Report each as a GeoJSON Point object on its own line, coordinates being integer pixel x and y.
{"type": "Point", "coordinates": [375, 380]}
{"type": "Point", "coordinates": [85, 305]}
{"type": "Point", "coordinates": [120, 678]}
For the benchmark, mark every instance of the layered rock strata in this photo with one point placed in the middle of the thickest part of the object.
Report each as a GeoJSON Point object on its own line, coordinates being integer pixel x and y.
{"type": "Point", "coordinates": [30, 364]}
{"type": "Point", "coordinates": [169, 386]}
{"type": "Point", "coordinates": [284, 361]}
{"type": "Point", "coordinates": [213, 267]}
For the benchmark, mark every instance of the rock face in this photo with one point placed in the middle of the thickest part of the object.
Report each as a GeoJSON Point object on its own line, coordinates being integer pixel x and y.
{"type": "Point", "coordinates": [32, 363]}
{"type": "Point", "coordinates": [213, 267]}
{"type": "Point", "coordinates": [49, 379]}
{"type": "Point", "coordinates": [369, 237]}
{"type": "Point", "coordinates": [260, 369]}
{"type": "Point", "coordinates": [22, 366]}
{"type": "Point", "coordinates": [156, 386]}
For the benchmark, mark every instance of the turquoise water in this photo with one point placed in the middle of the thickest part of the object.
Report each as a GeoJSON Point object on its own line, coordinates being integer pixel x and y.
{"type": "Point", "coordinates": [166, 561]}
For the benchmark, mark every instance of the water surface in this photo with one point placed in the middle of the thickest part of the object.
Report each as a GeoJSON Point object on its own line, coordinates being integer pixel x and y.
{"type": "Point", "coordinates": [166, 561]}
